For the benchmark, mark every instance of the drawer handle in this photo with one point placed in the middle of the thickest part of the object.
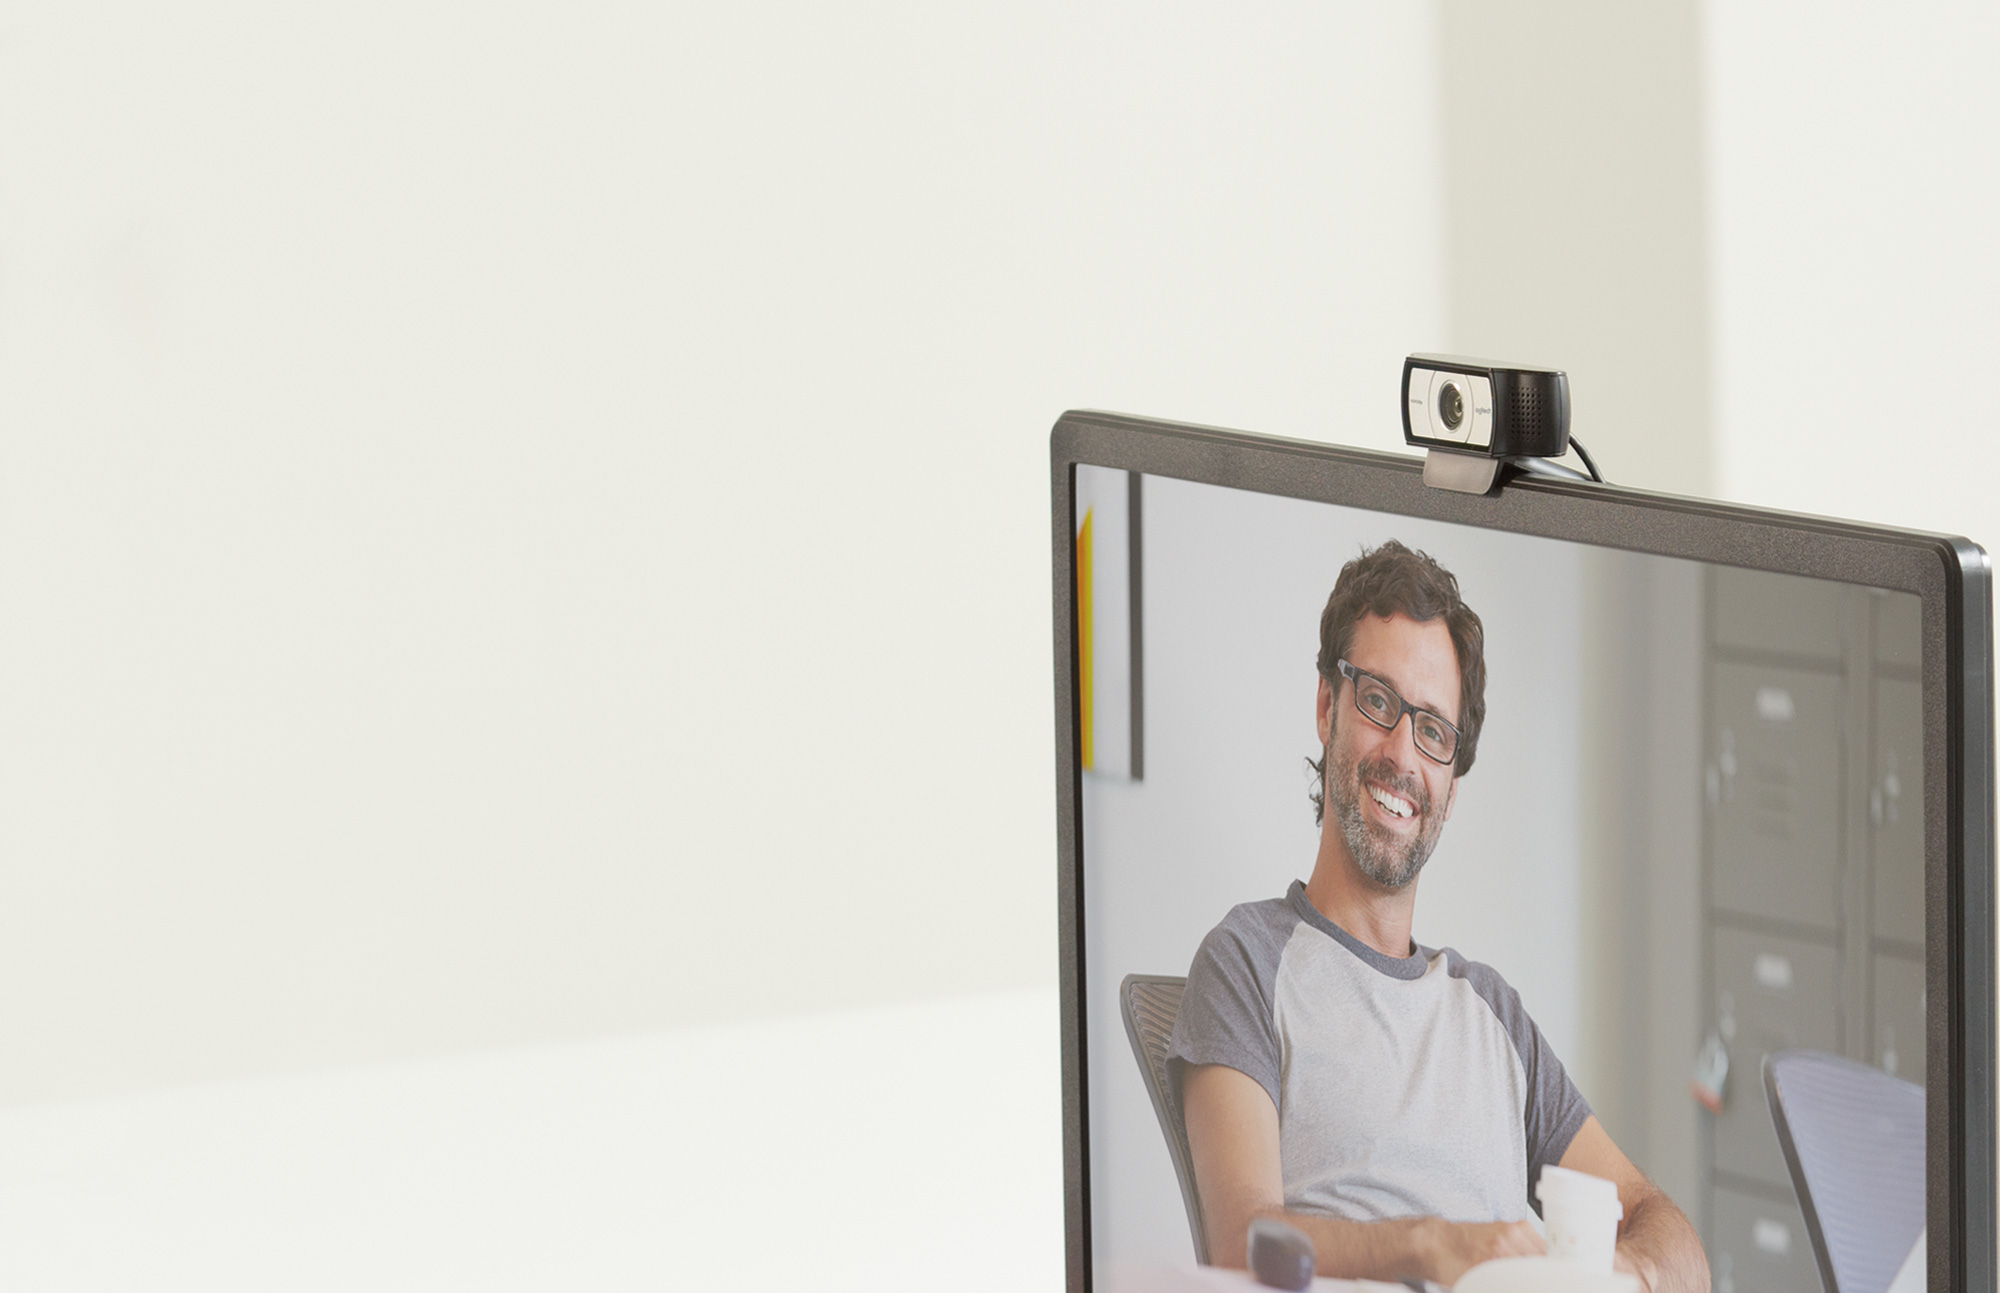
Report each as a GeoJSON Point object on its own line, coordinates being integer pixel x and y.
{"type": "Point", "coordinates": [1774, 705]}
{"type": "Point", "coordinates": [1774, 971]}
{"type": "Point", "coordinates": [1774, 1237]}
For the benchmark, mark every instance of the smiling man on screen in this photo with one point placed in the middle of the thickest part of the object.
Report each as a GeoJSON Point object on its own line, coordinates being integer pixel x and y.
{"type": "Point", "coordinates": [1394, 1102]}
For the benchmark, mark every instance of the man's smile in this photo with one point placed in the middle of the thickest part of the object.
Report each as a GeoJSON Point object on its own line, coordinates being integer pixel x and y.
{"type": "Point", "coordinates": [1391, 803]}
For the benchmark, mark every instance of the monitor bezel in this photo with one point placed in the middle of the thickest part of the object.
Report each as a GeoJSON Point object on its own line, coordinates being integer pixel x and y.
{"type": "Point", "coordinates": [1951, 575]}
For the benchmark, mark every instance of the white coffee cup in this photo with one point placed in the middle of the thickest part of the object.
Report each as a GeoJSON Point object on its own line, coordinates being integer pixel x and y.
{"type": "Point", "coordinates": [1580, 1213]}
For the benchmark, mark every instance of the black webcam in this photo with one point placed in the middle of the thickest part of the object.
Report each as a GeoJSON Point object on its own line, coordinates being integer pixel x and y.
{"type": "Point", "coordinates": [1473, 406]}
{"type": "Point", "coordinates": [1473, 415]}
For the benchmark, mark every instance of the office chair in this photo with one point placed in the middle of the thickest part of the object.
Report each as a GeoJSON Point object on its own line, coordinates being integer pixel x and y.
{"type": "Point", "coordinates": [1853, 1138]}
{"type": "Point", "coordinates": [1149, 1004]}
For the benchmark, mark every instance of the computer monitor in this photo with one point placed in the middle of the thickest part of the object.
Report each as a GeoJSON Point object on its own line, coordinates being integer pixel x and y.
{"type": "Point", "coordinates": [1733, 797]}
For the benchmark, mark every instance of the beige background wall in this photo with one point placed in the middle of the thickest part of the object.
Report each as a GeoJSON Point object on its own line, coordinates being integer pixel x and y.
{"type": "Point", "coordinates": [1576, 222]}
{"type": "Point", "coordinates": [1854, 272]}
{"type": "Point", "coordinates": [531, 524]}
{"type": "Point", "coordinates": [526, 524]}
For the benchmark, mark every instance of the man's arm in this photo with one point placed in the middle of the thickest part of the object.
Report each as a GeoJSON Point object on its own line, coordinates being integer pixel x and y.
{"type": "Point", "coordinates": [1232, 1129]}
{"type": "Point", "coordinates": [1655, 1240]}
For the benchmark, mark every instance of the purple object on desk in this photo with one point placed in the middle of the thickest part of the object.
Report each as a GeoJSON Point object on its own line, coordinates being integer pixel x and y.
{"type": "Point", "coordinates": [1281, 1255]}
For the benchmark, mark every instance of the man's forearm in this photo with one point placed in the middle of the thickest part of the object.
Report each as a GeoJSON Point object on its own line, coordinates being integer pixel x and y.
{"type": "Point", "coordinates": [1406, 1248]}
{"type": "Point", "coordinates": [1364, 1250]}
{"type": "Point", "coordinates": [1660, 1244]}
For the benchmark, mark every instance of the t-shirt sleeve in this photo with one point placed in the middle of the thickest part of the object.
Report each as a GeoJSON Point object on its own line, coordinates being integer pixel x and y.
{"type": "Point", "coordinates": [1556, 1110]}
{"type": "Point", "coordinates": [1226, 1015]}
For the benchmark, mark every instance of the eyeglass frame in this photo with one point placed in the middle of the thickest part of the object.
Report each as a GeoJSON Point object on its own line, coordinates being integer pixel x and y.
{"type": "Point", "coordinates": [1354, 673]}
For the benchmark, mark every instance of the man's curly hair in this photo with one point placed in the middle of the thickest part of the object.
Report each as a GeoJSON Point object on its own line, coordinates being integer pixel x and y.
{"type": "Point", "coordinates": [1392, 580]}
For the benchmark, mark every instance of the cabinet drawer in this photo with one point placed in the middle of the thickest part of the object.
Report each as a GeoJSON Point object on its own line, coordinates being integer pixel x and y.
{"type": "Point", "coordinates": [1774, 792]}
{"type": "Point", "coordinates": [1771, 994]}
{"type": "Point", "coordinates": [1760, 1246]}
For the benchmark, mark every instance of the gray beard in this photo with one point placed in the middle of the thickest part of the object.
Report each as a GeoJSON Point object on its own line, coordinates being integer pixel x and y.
{"type": "Point", "coordinates": [1387, 860]}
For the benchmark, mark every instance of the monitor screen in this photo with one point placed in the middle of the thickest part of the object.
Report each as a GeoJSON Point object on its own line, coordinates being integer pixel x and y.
{"type": "Point", "coordinates": [1573, 804]}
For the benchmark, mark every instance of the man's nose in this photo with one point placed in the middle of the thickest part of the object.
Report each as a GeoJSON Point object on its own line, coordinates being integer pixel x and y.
{"type": "Point", "coordinates": [1403, 741]}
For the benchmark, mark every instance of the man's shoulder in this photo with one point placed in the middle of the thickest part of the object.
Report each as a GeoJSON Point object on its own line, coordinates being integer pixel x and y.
{"type": "Point", "coordinates": [1265, 913]}
{"type": "Point", "coordinates": [1251, 934]}
{"type": "Point", "coordinates": [1226, 1012]}
{"type": "Point", "coordinates": [1491, 986]}
{"type": "Point", "coordinates": [1266, 921]}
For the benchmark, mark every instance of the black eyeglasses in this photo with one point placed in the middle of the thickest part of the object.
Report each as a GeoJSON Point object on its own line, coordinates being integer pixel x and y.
{"type": "Point", "coordinates": [1436, 739]}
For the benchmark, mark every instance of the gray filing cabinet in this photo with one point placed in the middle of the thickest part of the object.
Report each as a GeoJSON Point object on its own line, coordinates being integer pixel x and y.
{"type": "Point", "coordinates": [1813, 875]}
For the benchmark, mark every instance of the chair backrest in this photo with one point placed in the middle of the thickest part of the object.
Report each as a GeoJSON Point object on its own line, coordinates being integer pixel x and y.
{"type": "Point", "coordinates": [1853, 1138]}
{"type": "Point", "coordinates": [1149, 1004]}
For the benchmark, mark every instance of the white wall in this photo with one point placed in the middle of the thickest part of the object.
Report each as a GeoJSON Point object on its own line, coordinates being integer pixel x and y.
{"type": "Point", "coordinates": [1755, 233]}
{"type": "Point", "coordinates": [1855, 267]}
{"type": "Point", "coordinates": [1576, 220]}
{"type": "Point", "coordinates": [529, 523]}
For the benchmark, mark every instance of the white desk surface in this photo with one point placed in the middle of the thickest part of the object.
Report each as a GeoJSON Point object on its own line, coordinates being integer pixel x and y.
{"type": "Point", "coordinates": [824, 1153]}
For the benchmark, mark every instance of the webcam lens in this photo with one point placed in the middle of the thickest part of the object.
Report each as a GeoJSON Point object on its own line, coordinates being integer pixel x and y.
{"type": "Point", "coordinates": [1451, 405]}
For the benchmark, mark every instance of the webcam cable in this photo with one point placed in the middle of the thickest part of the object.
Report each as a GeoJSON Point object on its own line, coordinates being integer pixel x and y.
{"type": "Point", "coordinates": [1584, 454]}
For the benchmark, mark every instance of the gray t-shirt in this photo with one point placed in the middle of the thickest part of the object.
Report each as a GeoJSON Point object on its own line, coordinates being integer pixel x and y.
{"type": "Point", "coordinates": [1411, 1086]}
